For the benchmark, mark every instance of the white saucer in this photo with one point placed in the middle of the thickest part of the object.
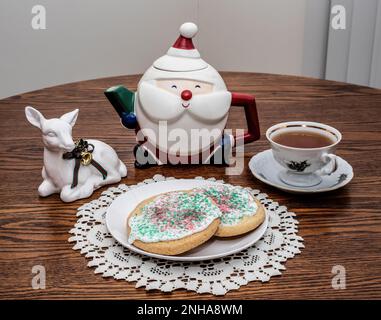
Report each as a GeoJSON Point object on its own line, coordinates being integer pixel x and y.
{"type": "Point", "coordinates": [265, 168]}
{"type": "Point", "coordinates": [122, 206]}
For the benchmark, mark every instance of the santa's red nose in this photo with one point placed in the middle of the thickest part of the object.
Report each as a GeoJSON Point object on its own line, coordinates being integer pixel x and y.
{"type": "Point", "coordinates": [186, 95]}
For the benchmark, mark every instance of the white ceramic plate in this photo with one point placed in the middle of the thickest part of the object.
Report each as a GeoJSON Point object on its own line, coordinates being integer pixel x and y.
{"type": "Point", "coordinates": [122, 206]}
{"type": "Point", "coordinates": [265, 168]}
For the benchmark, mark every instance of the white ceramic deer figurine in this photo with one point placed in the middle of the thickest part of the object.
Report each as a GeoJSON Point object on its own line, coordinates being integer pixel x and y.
{"type": "Point", "coordinates": [58, 173]}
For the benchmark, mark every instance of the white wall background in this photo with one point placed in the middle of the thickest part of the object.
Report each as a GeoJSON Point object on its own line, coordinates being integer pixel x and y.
{"type": "Point", "coordinates": [88, 39]}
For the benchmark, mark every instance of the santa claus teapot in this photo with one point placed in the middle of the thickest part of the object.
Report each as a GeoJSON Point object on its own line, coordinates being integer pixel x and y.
{"type": "Point", "coordinates": [180, 109]}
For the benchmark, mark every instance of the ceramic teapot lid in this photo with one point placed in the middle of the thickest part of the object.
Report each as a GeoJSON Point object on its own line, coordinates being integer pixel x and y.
{"type": "Point", "coordinates": [182, 56]}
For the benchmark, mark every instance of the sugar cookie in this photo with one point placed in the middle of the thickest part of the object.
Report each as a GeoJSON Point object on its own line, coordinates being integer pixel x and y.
{"type": "Point", "coordinates": [174, 222]}
{"type": "Point", "coordinates": [240, 211]}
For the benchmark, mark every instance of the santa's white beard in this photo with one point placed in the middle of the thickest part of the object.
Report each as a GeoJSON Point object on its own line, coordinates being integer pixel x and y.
{"type": "Point", "coordinates": [206, 112]}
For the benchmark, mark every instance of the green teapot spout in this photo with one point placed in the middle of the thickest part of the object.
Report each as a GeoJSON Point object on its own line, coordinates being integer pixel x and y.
{"type": "Point", "coordinates": [123, 101]}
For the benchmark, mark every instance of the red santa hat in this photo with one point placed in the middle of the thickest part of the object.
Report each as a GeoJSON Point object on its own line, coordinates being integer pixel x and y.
{"type": "Point", "coordinates": [182, 56]}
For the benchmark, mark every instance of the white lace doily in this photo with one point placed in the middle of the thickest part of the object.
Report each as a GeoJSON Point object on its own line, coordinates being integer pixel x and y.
{"type": "Point", "coordinates": [259, 262]}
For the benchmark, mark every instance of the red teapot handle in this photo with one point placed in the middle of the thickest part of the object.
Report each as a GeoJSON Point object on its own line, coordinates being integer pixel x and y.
{"type": "Point", "coordinates": [248, 102]}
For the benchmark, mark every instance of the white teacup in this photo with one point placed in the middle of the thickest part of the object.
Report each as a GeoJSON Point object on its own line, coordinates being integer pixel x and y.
{"type": "Point", "coordinates": [304, 166]}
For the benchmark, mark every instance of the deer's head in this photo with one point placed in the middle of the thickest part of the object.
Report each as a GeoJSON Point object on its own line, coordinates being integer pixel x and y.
{"type": "Point", "coordinates": [56, 132]}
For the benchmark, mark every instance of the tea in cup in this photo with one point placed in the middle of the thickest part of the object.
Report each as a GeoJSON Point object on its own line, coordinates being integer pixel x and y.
{"type": "Point", "coordinates": [305, 149]}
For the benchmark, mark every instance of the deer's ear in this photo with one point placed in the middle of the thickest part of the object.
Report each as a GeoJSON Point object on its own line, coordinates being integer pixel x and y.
{"type": "Point", "coordinates": [34, 116]}
{"type": "Point", "coordinates": [70, 117]}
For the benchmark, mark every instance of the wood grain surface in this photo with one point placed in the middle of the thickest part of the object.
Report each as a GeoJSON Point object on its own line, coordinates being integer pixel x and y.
{"type": "Point", "coordinates": [342, 227]}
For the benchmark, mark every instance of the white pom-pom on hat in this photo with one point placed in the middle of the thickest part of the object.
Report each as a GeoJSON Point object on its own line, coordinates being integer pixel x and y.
{"type": "Point", "coordinates": [188, 30]}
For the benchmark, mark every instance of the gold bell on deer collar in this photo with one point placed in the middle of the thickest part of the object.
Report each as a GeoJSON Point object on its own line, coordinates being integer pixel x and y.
{"type": "Point", "coordinates": [86, 158]}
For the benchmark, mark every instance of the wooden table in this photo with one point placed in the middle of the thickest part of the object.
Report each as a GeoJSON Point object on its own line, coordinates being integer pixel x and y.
{"type": "Point", "coordinates": [339, 228]}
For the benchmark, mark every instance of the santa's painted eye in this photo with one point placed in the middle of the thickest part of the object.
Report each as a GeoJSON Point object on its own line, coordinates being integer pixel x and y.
{"type": "Point", "coordinates": [197, 86]}
{"type": "Point", "coordinates": [174, 86]}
